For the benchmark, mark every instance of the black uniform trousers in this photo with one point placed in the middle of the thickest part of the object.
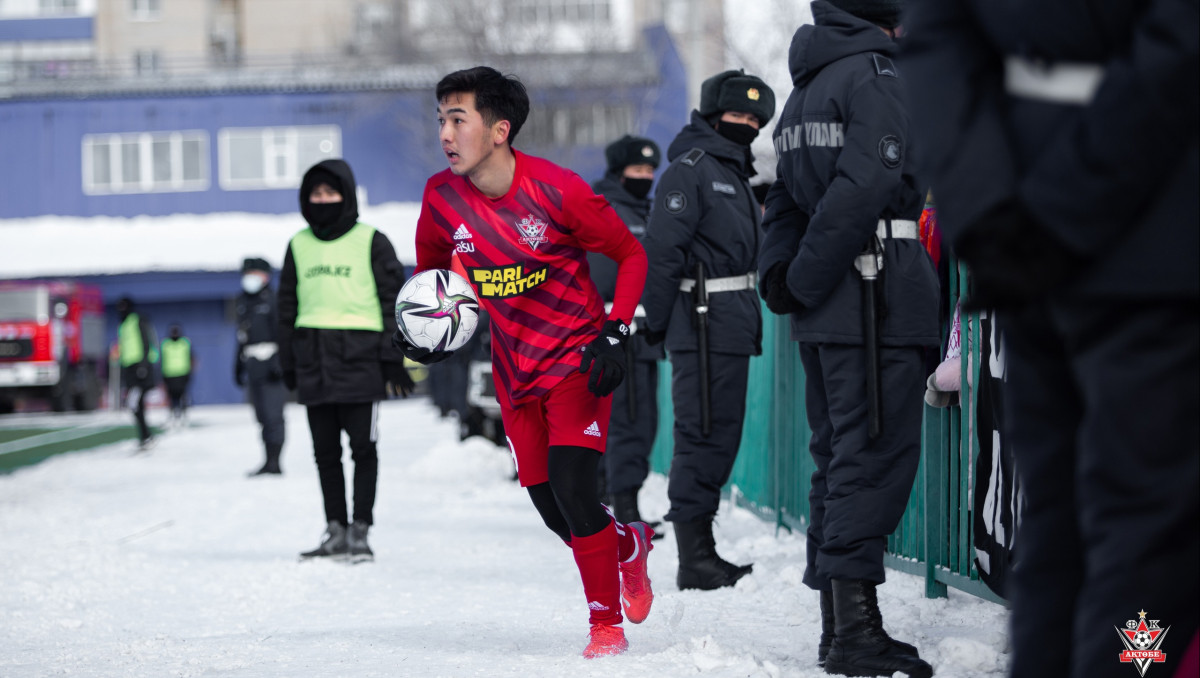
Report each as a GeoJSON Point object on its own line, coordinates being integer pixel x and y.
{"type": "Point", "coordinates": [268, 397]}
{"type": "Point", "coordinates": [177, 391]}
{"type": "Point", "coordinates": [861, 487]}
{"type": "Point", "coordinates": [1101, 404]}
{"type": "Point", "coordinates": [701, 465]}
{"type": "Point", "coordinates": [326, 423]}
{"type": "Point", "coordinates": [632, 428]}
{"type": "Point", "coordinates": [135, 395]}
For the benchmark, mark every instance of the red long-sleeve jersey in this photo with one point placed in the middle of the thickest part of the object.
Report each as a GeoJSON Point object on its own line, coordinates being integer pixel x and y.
{"type": "Point", "coordinates": [525, 255]}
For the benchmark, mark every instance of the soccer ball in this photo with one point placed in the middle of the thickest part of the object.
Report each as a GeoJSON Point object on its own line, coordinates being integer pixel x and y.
{"type": "Point", "coordinates": [1142, 640]}
{"type": "Point", "coordinates": [437, 310]}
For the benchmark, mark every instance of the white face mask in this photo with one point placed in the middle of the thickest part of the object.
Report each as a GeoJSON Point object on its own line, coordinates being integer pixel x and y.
{"type": "Point", "coordinates": [252, 283]}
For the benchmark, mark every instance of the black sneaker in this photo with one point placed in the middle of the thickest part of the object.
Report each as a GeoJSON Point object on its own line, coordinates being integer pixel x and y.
{"type": "Point", "coordinates": [360, 551]}
{"type": "Point", "coordinates": [333, 546]}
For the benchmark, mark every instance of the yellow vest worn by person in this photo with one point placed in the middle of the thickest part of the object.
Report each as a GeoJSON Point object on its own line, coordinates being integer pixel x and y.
{"type": "Point", "coordinates": [129, 342]}
{"type": "Point", "coordinates": [335, 286]}
{"type": "Point", "coordinates": [176, 357]}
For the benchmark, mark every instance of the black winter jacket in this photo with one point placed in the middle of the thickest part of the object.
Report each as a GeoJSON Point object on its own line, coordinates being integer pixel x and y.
{"type": "Point", "coordinates": [845, 162]}
{"type": "Point", "coordinates": [1114, 179]}
{"type": "Point", "coordinates": [704, 211]}
{"type": "Point", "coordinates": [634, 212]}
{"type": "Point", "coordinates": [258, 323]}
{"type": "Point", "coordinates": [341, 366]}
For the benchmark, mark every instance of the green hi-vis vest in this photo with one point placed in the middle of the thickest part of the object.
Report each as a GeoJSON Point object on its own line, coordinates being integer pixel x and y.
{"type": "Point", "coordinates": [129, 342]}
{"type": "Point", "coordinates": [335, 286]}
{"type": "Point", "coordinates": [176, 357]}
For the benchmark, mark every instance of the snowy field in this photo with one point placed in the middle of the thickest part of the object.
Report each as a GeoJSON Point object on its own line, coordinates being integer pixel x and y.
{"type": "Point", "coordinates": [173, 563]}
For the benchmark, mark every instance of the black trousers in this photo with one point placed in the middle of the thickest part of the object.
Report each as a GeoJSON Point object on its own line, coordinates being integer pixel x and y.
{"type": "Point", "coordinates": [701, 464]}
{"type": "Point", "coordinates": [632, 428]}
{"type": "Point", "coordinates": [326, 423]}
{"type": "Point", "coordinates": [177, 391]}
{"type": "Point", "coordinates": [1101, 404]}
{"type": "Point", "coordinates": [861, 486]}
{"type": "Point", "coordinates": [268, 397]}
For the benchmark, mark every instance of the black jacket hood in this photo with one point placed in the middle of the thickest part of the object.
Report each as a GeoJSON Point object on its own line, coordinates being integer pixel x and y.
{"type": "Point", "coordinates": [835, 35]}
{"type": "Point", "coordinates": [700, 134]}
{"type": "Point", "coordinates": [331, 224]}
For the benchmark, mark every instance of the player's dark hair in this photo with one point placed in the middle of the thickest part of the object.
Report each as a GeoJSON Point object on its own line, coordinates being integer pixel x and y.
{"type": "Point", "coordinates": [497, 97]}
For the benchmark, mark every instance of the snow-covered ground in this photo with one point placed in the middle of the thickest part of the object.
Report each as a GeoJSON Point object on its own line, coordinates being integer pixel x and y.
{"type": "Point", "coordinates": [173, 563]}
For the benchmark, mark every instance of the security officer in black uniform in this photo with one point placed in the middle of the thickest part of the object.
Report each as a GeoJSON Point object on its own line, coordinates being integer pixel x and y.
{"type": "Point", "coordinates": [1066, 165]}
{"type": "Point", "coordinates": [256, 365]}
{"type": "Point", "coordinates": [846, 199]}
{"type": "Point", "coordinates": [626, 184]}
{"type": "Point", "coordinates": [705, 222]}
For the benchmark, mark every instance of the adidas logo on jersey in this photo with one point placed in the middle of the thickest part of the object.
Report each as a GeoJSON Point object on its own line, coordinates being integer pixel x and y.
{"type": "Point", "coordinates": [593, 430]}
{"type": "Point", "coordinates": [462, 233]}
{"type": "Point", "coordinates": [597, 606]}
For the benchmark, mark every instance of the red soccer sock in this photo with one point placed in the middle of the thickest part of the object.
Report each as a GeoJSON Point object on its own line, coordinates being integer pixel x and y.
{"type": "Point", "coordinates": [596, 557]}
{"type": "Point", "coordinates": [627, 546]}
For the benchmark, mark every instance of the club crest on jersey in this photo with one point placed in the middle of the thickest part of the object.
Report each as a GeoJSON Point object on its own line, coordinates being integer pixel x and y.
{"type": "Point", "coordinates": [533, 231]}
{"type": "Point", "coordinates": [1143, 639]}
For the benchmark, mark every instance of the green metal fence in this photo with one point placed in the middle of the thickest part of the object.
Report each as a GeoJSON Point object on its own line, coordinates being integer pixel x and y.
{"type": "Point", "coordinates": [771, 476]}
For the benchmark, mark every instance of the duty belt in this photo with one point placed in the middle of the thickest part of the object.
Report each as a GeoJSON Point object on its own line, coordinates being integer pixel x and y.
{"type": "Point", "coordinates": [639, 312]}
{"type": "Point", "coordinates": [901, 228]}
{"type": "Point", "coordinates": [734, 283]}
{"type": "Point", "coordinates": [1061, 83]}
{"type": "Point", "coordinates": [261, 351]}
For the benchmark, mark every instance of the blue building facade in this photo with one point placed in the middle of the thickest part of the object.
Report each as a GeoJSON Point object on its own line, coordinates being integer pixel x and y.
{"type": "Point", "coordinates": [82, 148]}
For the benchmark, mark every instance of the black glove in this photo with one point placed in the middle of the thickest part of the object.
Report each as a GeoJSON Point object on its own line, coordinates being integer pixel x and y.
{"type": "Point", "coordinates": [398, 377]}
{"type": "Point", "coordinates": [651, 337]}
{"type": "Point", "coordinates": [274, 372]}
{"type": "Point", "coordinates": [289, 379]}
{"type": "Point", "coordinates": [239, 372]}
{"type": "Point", "coordinates": [1013, 259]}
{"type": "Point", "coordinates": [775, 292]}
{"type": "Point", "coordinates": [416, 353]}
{"type": "Point", "coordinates": [605, 356]}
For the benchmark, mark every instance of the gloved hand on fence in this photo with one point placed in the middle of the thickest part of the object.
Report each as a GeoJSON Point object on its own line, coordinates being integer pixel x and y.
{"type": "Point", "coordinates": [652, 337]}
{"type": "Point", "coordinates": [399, 379]}
{"type": "Point", "coordinates": [605, 357]}
{"type": "Point", "coordinates": [775, 291]}
{"type": "Point", "coordinates": [416, 353]}
{"type": "Point", "coordinates": [1013, 259]}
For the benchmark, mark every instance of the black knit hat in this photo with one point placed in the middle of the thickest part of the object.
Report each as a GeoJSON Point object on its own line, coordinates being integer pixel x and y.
{"type": "Point", "coordinates": [884, 13]}
{"type": "Point", "coordinates": [738, 92]}
{"type": "Point", "coordinates": [255, 264]}
{"type": "Point", "coordinates": [631, 150]}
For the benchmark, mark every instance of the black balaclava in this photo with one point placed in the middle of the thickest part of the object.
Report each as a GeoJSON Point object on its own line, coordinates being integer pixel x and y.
{"type": "Point", "coordinates": [884, 13]}
{"type": "Point", "coordinates": [638, 188]}
{"type": "Point", "coordinates": [330, 220]}
{"type": "Point", "coordinates": [737, 132]}
{"type": "Point", "coordinates": [176, 332]}
{"type": "Point", "coordinates": [124, 307]}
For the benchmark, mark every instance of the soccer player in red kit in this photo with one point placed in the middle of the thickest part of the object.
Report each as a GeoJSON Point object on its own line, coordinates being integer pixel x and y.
{"type": "Point", "coordinates": [521, 227]}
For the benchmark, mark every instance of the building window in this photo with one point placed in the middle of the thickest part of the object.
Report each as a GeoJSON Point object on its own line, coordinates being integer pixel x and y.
{"type": "Point", "coordinates": [51, 7]}
{"type": "Point", "coordinates": [150, 162]}
{"type": "Point", "coordinates": [145, 61]}
{"type": "Point", "coordinates": [561, 11]}
{"type": "Point", "coordinates": [255, 158]}
{"type": "Point", "coordinates": [583, 125]}
{"type": "Point", "coordinates": [144, 10]}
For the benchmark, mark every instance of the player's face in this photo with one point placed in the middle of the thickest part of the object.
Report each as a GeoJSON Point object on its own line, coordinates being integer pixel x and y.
{"type": "Point", "coordinates": [466, 139]}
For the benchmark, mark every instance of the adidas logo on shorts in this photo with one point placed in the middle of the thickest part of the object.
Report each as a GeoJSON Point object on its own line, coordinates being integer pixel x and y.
{"type": "Point", "coordinates": [593, 430]}
{"type": "Point", "coordinates": [462, 233]}
{"type": "Point", "coordinates": [597, 606]}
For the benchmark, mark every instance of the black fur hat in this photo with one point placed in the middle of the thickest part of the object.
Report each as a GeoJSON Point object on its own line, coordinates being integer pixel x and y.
{"type": "Point", "coordinates": [255, 264]}
{"type": "Point", "coordinates": [738, 92]}
{"type": "Point", "coordinates": [631, 150]}
{"type": "Point", "coordinates": [884, 13]}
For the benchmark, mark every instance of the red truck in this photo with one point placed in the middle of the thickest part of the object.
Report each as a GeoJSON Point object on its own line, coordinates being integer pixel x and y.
{"type": "Point", "coordinates": [52, 344]}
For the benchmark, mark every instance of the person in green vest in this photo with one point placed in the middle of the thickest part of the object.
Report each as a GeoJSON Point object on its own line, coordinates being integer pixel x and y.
{"type": "Point", "coordinates": [137, 349]}
{"type": "Point", "coordinates": [177, 362]}
{"type": "Point", "coordinates": [337, 301]}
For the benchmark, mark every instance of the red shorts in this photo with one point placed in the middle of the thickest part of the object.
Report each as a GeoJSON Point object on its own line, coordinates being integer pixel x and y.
{"type": "Point", "coordinates": [569, 414]}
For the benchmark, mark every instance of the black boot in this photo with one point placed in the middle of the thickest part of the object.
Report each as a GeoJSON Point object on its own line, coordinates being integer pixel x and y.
{"type": "Point", "coordinates": [333, 543]}
{"type": "Point", "coordinates": [860, 646]}
{"type": "Point", "coordinates": [827, 627]}
{"type": "Point", "coordinates": [625, 510]}
{"type": "Point", "coordinates": [699, 565]}
{"type": "Point", "coordinates": [356, 543]}
{"type": "Point", "coordinates": [271, 466]}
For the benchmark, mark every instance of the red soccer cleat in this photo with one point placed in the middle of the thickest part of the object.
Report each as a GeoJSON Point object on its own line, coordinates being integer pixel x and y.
{"type": "Point", "coordinates": [636, 595]}
{"type": "Point", "coordinates": [605, 641]}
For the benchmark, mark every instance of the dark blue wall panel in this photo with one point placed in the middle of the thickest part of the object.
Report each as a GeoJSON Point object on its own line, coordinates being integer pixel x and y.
{"type": "Point", "coordinates": [60, 28]}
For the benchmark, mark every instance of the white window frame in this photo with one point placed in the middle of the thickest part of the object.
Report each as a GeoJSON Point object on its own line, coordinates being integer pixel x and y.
{"type": "Point", "coordinates": [145, 10]}
{"type": "Point", "coordinates": [272, 150]}
{"type": "Point", "coordinates": [145, 182]}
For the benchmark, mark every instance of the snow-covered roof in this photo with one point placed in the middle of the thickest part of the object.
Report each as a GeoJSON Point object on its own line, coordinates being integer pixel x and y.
{"type": "Point", "coordinates": [53, 245]}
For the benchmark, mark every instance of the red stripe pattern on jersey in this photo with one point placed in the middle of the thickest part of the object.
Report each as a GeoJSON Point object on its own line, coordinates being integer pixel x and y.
{"type": "Point", "coordinates": [525, 255]}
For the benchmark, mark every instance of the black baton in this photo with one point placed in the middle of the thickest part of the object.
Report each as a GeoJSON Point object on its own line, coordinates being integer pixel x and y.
{"type": "Point", "coordinates": [701, 307]}
{"type": "Point", "coordinates": [869, 264]}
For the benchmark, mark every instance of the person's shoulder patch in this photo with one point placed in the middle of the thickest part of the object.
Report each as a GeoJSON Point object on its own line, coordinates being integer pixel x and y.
{"type": "Point", "coordinates": [884, 66]}
{"type": "Point", "coordinates": [891, 152]}
{"type": "Point", "coordinates": [692, 157]}
{"type": "Point", "coordinates": [675, 202]}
